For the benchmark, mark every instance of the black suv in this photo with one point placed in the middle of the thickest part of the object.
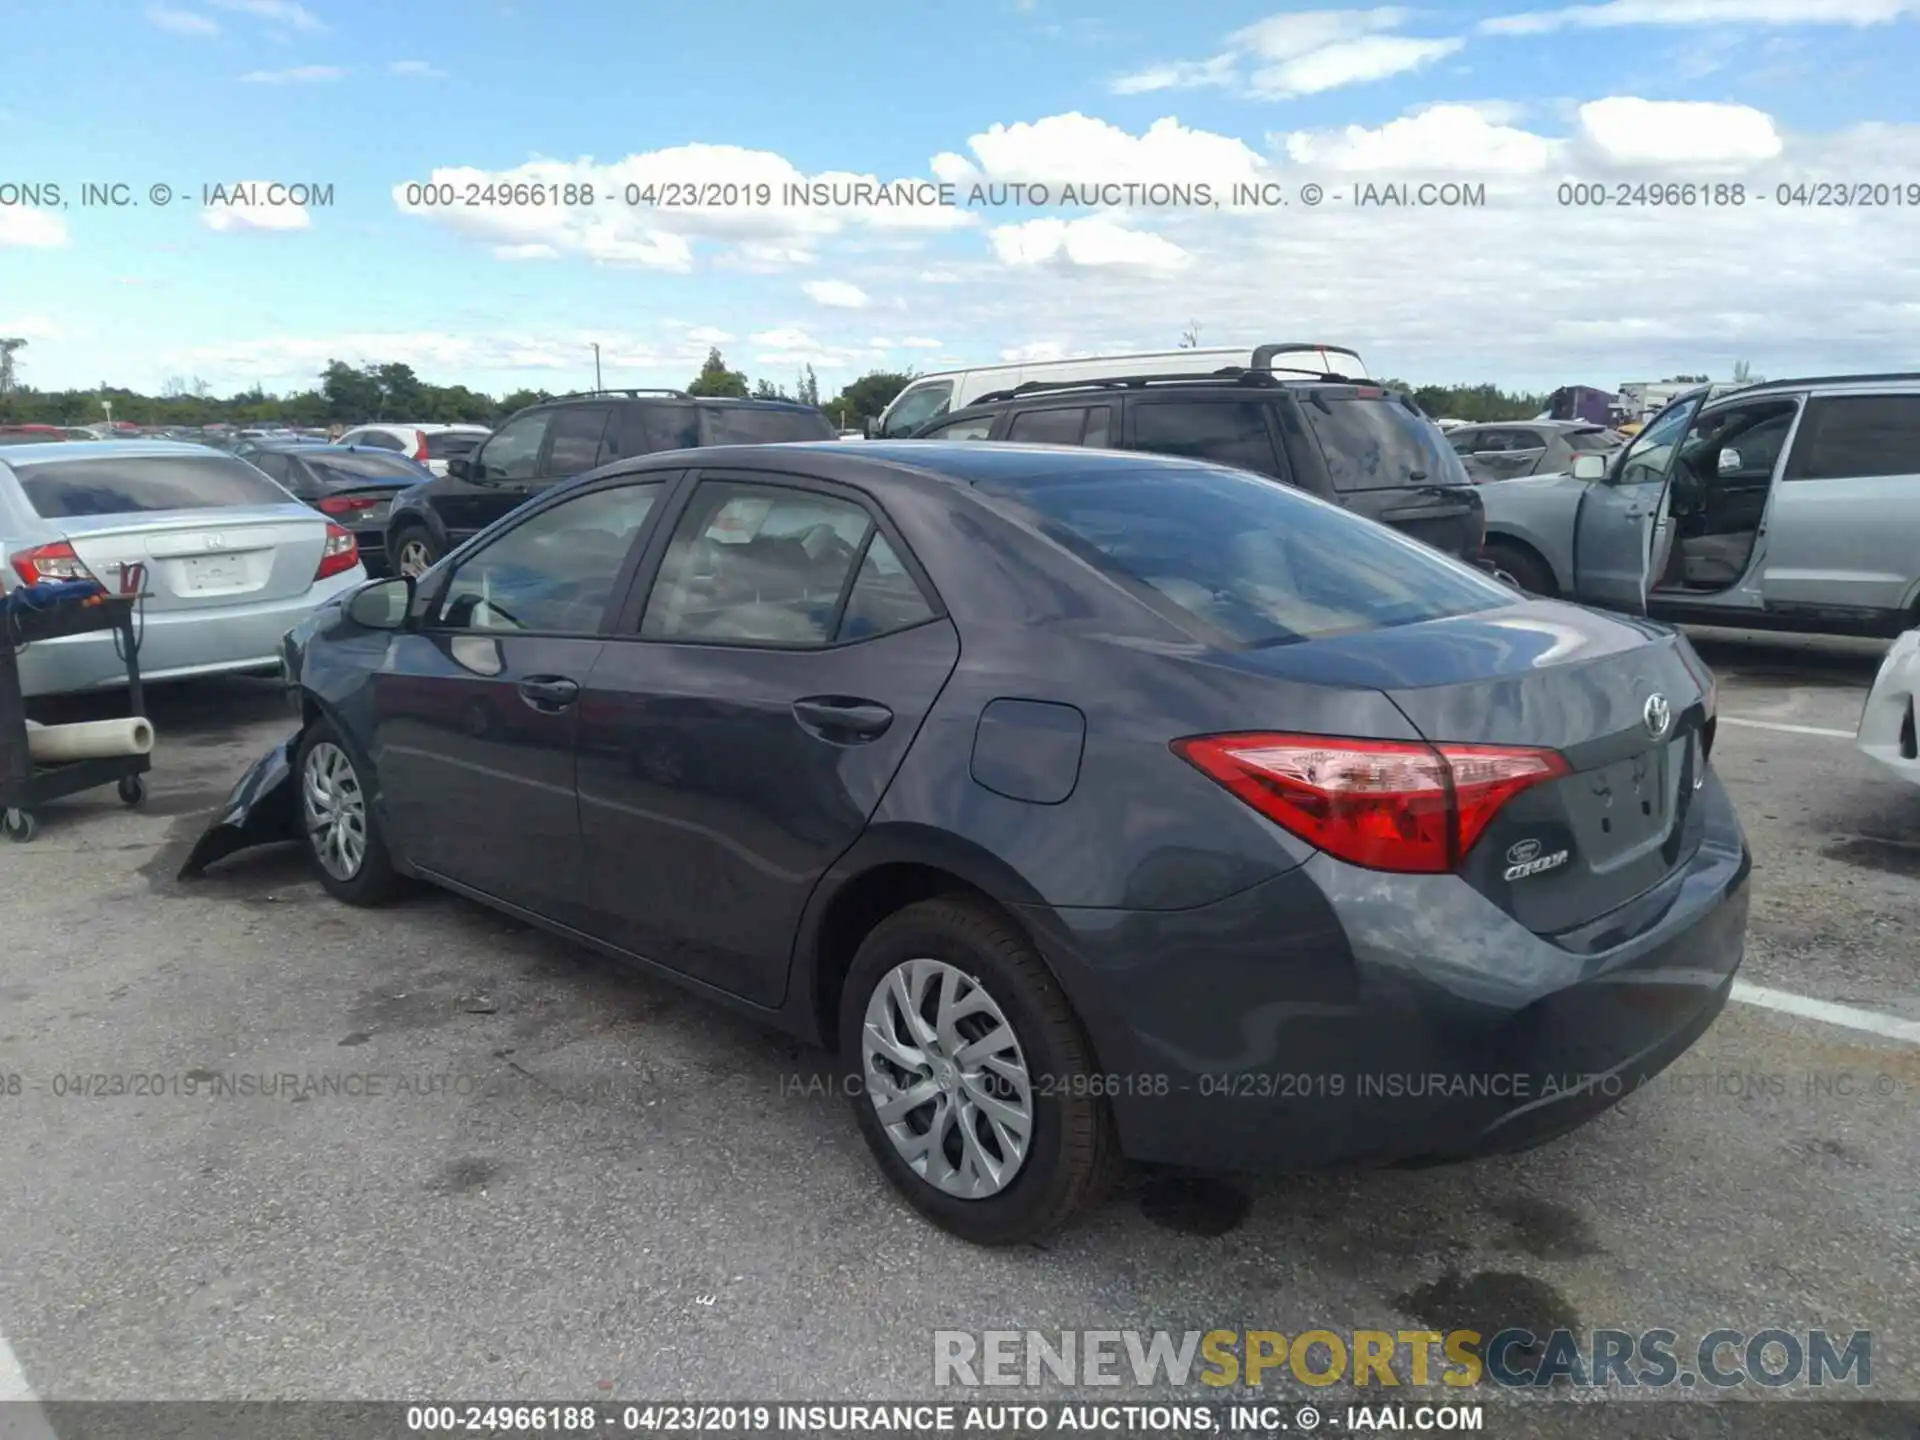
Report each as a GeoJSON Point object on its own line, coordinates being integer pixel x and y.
{"type": "Point", "coordinates": [554, 441]}
{"type": "Point", "coordinates": [1364, 448]}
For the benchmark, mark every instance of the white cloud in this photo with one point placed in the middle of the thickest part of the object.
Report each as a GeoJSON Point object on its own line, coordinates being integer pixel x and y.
{"type": "Point", "coordinates": [919, 342]}
{"type": "Point", "coordinates": [649, 208]}
{"type": "Point", "coordinates": [1035, 351]}
{"type": "Point", "coordinates": [255, 216]}
{"type": "Point", "coordinates": [534, 251]}
{"type": "Point", "coordinates": [837, 294]}
{"type": "Point", "coordinates": [29, 327]}
{"type": "Point", "coordinates": [418, 69]}
{"type": "Point", "coordinates": [1627, 131]}
{"type": "Point", "coordinates": [1097, 241]}
{"type": "Point", "coordinates": [1442, 137]}
{"type": "Point", "coordinates": [1299, 53]}
{"type": "Point", "coordinates": [277, 12]}
{"type": "Point", "coordinates": [298, 75]}
{"type": "Point", "coordinates": [1617, 13]}
{"type": "Point", "coordinates": [181, 22]}
{"type": "Point", "coordinates": [1353, 63]}
{"type": "Point", "coordinates": [1078, 149]}
{"type": "Point", "coordinates": [33, 229]}
{"type": "Point", "coordinates": [707, 335]}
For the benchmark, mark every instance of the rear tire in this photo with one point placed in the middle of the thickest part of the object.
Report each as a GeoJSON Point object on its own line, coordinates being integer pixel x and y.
{"type": "Point", "coordinates": [1015, 1056]}
{"type": "Point", "coordinates": [413, 551]}
{"type": "Point", "coordinates": [337, 823]}
{"type": "Point", "coordinates": [1520, 568]}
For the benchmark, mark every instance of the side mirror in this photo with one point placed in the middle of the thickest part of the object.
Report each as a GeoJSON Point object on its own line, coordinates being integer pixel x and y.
{"type": "Point", "coordinates": [1589, 466]}
{"type": "Point", "coordinates": [460, 468]}
{"type": "Point", "coordinates": [383, 605]}
{"type": "Point", "coordinates": [1729, 461]}
{"type": "Point", "coordinates": [871, 429]}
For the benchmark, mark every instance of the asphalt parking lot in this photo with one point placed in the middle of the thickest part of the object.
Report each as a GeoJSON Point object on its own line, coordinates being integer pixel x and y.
{"type": "Point", "coordinates": [578, 1182]}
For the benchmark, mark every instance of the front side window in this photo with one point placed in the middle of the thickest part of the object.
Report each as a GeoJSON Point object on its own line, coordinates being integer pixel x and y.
{"type": "Point", "coordinates": [576, 439]}
{"type": "Point", "coordinates": [1848, 437]}
{"type": "Point", "coordinates": [1227, 432]}
{"type": "Point", "coordinates": [1062, 425]}
{"type": "Point", "coordinates": [514, 452]}
{"type": "Point", "coordinates": [1652, 450]}
{"type": "Point", "coordinates": [766, 565]}
{"type": "Point", "coordinates": [553, 573]}
{"type": "Point", "coordinates": [917, 406]}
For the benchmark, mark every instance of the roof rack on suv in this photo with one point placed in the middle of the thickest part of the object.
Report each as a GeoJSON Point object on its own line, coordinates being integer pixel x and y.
{"type": "Point", "coordinates": [589, 394]}
{"type": "Point", "coordinates": [1892, 376]}
{"type": "Point", "coordinates": [1236, 374]}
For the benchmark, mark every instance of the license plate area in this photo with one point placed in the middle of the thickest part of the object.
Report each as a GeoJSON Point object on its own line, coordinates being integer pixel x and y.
{"type": "Point", "coordinates": [1622, 810]}
{"type": "Point", "coordinates": [204, 574]}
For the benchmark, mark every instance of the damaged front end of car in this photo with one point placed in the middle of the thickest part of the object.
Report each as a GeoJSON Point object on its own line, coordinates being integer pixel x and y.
{"type": "Point", "coordinates": [263, 809]}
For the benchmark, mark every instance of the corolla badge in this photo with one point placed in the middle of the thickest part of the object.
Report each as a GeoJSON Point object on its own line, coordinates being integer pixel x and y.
{"type": "Point", "coordinates": [1658, 715]}
{"type": "Point", "coordinates": [1524, 859]}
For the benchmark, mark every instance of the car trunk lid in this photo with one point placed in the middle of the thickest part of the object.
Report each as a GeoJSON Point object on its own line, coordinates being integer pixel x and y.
{"type": "Point", "coordinates": [1617, 699]}
{"type": "Point", "coordinates": [202, 559]}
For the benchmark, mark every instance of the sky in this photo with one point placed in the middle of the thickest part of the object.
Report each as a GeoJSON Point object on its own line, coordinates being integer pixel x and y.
{"type": "Point", "coordinates": [1528, 193]}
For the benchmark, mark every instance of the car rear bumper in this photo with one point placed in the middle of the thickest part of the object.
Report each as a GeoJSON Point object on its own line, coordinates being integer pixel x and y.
{"type": "Point", "coordinates": [176, 646]}
{"type": "Point", "coordinates": [1332, 1016]}
{"type": "Point", "coordinates": [1888, 723]}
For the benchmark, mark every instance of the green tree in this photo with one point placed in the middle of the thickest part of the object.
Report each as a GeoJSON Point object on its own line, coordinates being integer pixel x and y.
{"type": "Point", "coordinates": [808, 390]}
{"type": "Point", "coordinates": [717, 380]}
{"type": "Point", "coordinates": [766, 390]}
{"type": "Point", "coordinates": [352, 396]}
{"type": "Point", "coordinates": [865, 398]}
{"type": "Point", "coordinates": [399, 391]}
{"type": "Point", "coordinates": [518, 400]}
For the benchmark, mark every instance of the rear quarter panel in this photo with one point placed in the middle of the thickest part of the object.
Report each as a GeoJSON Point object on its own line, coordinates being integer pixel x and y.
{"type": "Point", "coordinates": [1852, 543]}
{"type": "Point", "coordinates": [1539, 512]}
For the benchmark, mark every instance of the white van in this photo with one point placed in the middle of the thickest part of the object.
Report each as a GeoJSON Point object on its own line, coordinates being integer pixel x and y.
{"type": "Point", "coordinates": [931, 396]}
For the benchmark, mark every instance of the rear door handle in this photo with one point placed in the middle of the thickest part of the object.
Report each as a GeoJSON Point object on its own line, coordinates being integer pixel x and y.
{"type": "Point", "coordinates": [549, 692]}
{"type": "Point", "coordinates": [842, 719]}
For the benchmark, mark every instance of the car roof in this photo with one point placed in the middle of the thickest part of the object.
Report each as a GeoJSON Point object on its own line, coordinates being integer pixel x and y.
{"type": "Point", "coordinates": [72, 450]}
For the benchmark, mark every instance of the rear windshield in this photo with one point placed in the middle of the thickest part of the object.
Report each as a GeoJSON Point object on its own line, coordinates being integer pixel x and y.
{"type": "Point", "coordinates": [452, 444]}
{"type": "Point", "coordinates": [728, 425]}
{"type": "Point", "coordinates": [128, 485]}
{"type": "Point", "coordinates": [1377, 443]}
{"type": "Point", "coordinates": [360, 469]}
{"type": "Point", "coordinates": [1258, 561]}
{"type": "Point", "coordinates": [1594, 439]}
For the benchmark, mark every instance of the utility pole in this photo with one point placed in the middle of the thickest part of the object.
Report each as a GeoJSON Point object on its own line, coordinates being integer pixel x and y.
{"type": "Point", "coordinates": [596, 365]}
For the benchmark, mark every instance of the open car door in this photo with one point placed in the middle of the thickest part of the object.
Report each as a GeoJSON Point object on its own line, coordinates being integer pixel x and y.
{"type": "Point", "coordinates": [1622, 529]}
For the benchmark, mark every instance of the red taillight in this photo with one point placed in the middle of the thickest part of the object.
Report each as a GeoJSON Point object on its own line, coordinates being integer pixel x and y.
{"type": "Point", "coordinates": [1383, 804]}
{"type": "Point", "coordinates": [51, 562]}
{"type": "Point", "coordinates": [341, 554]}
{"type": "Point", "coordinates": [346, 504]}
{"type": "Point", "coordinates": [420, 446]}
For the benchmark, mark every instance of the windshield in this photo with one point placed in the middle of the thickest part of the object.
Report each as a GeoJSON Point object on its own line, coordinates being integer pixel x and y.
{"type": "Point", "coordinates": [130, 484]}
{"type": "Point", "coordinates": [449, 444]}
{"type": "Point", "coordinates": [1257, 561]}
{"type": "Point", "coordinates": [730, 425]}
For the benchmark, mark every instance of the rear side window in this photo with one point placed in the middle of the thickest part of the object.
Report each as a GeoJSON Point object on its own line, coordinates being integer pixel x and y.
{"type": "Point", "coordinates": [739, 425]}
{"type": "Point", "coordinates": [1375, 443]}
{"type": "Point", "coordinates": [1593, 440]}
{"type": "Point", "coordinates": [1858, 436]}
{"type": "Point", "coordinates": [1227, 432]}
{"type": "Point", "coordinates": [452, 444]}
{"type": "Point", "coordinates": [379, 439]}
{"type": "Point", "coordinates": [133, 484]}
{"type": "Point", "coordinates": [1258, 562]}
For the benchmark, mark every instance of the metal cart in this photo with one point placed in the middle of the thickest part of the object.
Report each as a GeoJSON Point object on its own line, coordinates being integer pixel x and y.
{"type": "Point", "coordinates": [24, 786]}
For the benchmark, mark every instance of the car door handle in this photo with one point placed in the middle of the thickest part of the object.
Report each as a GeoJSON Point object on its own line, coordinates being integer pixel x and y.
{"type": "Point", "coordinates": [549, 692]}
{"type": "Point", "coordinates": [841, 719]}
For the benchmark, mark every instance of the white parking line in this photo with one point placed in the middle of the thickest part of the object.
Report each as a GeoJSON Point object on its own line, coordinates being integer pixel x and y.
{"type": "Point", "coordinates": [1787, 1003]}
{"type": "Point", "coordinates": [1787, 729]}
{"type": "Point", "coordinates": [21, 1417]}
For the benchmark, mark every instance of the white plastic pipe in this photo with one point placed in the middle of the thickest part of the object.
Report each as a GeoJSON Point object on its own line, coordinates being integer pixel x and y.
{"type": "Point", "coordinates": [90, 740]}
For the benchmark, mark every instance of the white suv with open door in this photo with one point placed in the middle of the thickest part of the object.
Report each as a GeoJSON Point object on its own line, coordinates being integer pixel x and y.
{"type": "Point", "coordinates": [1788, 505]}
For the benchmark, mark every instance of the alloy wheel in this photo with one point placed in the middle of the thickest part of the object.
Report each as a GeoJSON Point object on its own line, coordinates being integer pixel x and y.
{"type": "Point", "coordinates": [415, 559]}
{"type": "Point", "coordinates": [335, 810]}
{"type": "Point", "coordinates": [947, 1078]}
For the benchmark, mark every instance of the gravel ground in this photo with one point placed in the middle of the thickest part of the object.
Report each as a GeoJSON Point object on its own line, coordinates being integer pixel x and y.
{"type": "Point", "coordinates": [576, 1182]}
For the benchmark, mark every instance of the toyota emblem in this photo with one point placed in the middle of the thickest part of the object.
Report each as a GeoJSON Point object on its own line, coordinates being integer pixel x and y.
{"type": "Point", "coordinates": [1658, 715]}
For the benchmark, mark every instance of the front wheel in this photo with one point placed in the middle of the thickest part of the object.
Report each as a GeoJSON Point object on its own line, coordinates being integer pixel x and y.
{"type": "Point", "coordinates": [337, 821]}
{"type": "Point", "coordinates": [414, 552]}
{"type": "Point", "coordinates": [975, 1090]}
